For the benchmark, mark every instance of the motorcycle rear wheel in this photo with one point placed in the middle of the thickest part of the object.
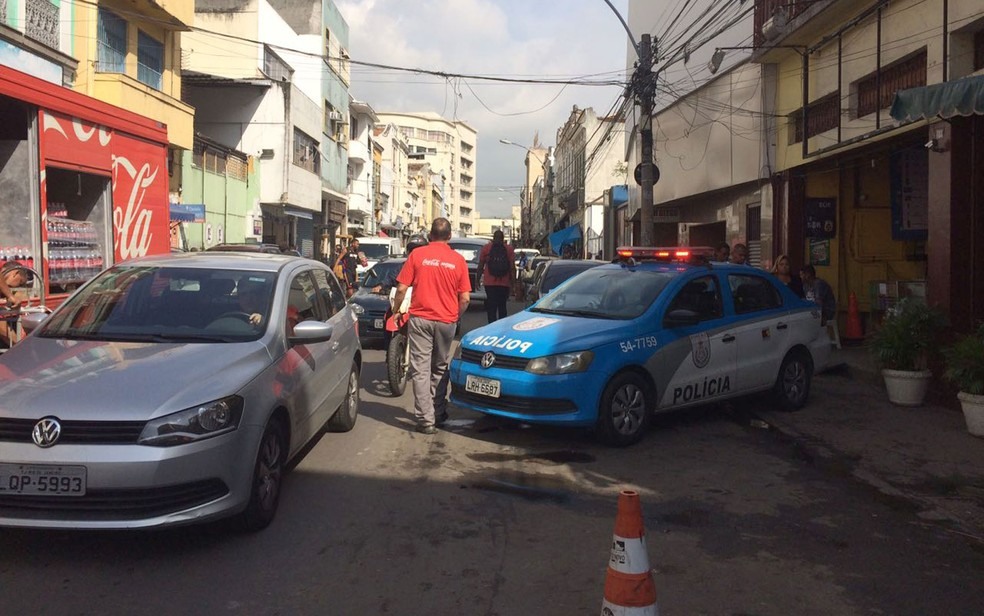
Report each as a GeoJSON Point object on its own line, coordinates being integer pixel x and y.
{"type": "Point", "coordinates": [396, 363]}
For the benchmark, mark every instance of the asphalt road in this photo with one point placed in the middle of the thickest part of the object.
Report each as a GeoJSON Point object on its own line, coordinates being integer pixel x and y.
{"type": "Point", "coordinates": [492, 518]}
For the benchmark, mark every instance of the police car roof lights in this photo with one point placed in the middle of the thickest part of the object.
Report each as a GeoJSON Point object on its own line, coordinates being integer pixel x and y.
{"type": "Point", "coordinates": [672, 254]}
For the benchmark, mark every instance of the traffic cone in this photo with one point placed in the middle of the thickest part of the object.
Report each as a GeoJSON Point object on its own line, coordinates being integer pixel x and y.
{"type": "Point", "coordinates": [853, 330]}
{"type": "Point", "coordinates": [629, 586]}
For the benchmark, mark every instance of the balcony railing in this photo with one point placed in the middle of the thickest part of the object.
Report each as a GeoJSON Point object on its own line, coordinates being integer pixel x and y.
{"type": "Point", "coordinates": [784, 10]}
{"type": "Point", "coordinates": [41, 22]}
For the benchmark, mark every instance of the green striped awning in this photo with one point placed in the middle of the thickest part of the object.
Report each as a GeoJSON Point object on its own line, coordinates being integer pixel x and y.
{"type": "Point", "coordinates": [961, 97]}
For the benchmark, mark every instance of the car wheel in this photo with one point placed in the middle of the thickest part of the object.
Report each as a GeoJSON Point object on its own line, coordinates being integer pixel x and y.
{"type": "Point", "coordinates": [268, 475]}
{"type": "Point", "coordinates": [624, 414]}
{"type": "Point", "coordinates": [792, 386]}
{"type": "Point", "coordinates": [396, 363]}
{"type": "Point", "coordinates": [348, 411]}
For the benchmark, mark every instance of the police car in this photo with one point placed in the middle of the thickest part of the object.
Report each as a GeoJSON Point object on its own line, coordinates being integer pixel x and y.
{"type": "Point", "coordinates": [657, 330]}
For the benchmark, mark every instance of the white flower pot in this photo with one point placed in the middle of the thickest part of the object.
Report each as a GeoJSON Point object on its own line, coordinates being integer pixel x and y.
{"type": "Point", "coordinates": [973, 410]}
{"type": "Point", "coordinates": [907, 387]}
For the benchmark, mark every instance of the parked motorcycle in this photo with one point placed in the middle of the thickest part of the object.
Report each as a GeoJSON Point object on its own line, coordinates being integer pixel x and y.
{"type": "Point", "coordinates": [397, 345]}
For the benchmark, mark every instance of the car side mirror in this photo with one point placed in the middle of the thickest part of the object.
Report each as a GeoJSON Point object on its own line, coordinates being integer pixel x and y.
{"type": "Point", "coordinates": [307, 332]}
{"type": "Point", "coordinates": [31, 322]}
{"type": "Point", "coordinates": [681, 318]}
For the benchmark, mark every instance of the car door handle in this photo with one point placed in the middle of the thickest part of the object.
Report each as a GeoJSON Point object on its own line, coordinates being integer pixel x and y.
{"type": "Point", "coordinates": [728, 338]}
{"type": "Point", "coordinates": [782, 325]}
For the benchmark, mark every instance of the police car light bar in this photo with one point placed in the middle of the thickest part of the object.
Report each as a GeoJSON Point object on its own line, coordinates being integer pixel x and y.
{"type": "Point", "coordinates": [670, 254]}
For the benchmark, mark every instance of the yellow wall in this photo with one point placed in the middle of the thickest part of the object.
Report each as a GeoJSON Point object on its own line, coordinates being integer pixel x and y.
{"type": "Point", "coordinates": [123, 90]}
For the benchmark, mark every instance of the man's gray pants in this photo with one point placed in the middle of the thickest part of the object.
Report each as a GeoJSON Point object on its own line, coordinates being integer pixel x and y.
{"type": "Point", "coordinates": [430, 350]}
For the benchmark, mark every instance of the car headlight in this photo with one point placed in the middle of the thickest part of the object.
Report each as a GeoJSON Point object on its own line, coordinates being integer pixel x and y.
{"type": "Point", "coordinates": [562, 363]}
{"type": "Point", "coordinates": [194, 424]}
{"type": "Point", "coordinates": [357, 309]}
{"type": "Point", "coordinates": [457, 350]}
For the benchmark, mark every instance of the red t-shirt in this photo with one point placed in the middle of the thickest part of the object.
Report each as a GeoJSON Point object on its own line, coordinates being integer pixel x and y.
{"type": "Point", "coordinates": [437, 274]}
{"type": "Point", "coordinates": [488, 279]}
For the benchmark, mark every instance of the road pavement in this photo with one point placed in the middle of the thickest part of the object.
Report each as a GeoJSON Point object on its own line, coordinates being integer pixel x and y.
{"type": "Point", "coordinates": [494, 518]}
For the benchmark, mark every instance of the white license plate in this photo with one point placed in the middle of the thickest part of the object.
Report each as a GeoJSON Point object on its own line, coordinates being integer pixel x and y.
{"type": "Point", "coordinates": [483, 386]}
{"type": "Point", "coordinates": [378, 324]}
{"type": "Point", "coordinates": [42, 480]}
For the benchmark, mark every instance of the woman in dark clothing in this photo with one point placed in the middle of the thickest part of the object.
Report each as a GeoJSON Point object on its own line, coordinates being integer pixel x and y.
{"type": "Point", "coordinates": [783, 272]}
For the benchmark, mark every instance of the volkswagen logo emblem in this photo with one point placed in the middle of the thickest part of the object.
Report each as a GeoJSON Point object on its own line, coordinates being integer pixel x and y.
{"type": "Point", "coordinates": [46, 432]}
{"type": "Point", "coordinates": [488, 359]}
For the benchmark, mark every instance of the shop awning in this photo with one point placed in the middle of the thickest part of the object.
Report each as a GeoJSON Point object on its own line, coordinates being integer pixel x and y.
{"type": "Point", "coordinates": [188, 212]}
{"type": "Point", "coordinates": [563, 237]}
{"type": "Point", "coordinates": [961, 97]}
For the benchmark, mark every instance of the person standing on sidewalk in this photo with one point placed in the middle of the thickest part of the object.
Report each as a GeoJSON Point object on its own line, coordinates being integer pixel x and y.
{"type": "Point", "coordinates": [441, 292]}
{"type": "Point", "coordinates": [498, 274]}
{"type": "Point", "coordinates": [819, 292]}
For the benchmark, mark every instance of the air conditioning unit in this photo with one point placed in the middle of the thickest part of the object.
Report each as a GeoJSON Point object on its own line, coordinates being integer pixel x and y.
{"type": "Point", "coordinates": [266, 154]}
{"type": "Point", "coordinates": [775, 25]}
{"type": "Point", "coordinates": [335, 116]}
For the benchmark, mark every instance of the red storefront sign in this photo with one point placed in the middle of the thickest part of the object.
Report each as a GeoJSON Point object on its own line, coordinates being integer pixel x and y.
{"type": "Point", "coordinates": [81, 133]}
{"type": "Point", "coordinates": [138, 170]}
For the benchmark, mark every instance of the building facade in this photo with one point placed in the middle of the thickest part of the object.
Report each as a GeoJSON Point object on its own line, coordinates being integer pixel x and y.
{"type": "Point", "coordinates": [450, 148]}
{"type": "Point", "coordinates": [363, 188]}
{"type": "Point", "coordinates": [885, 203]}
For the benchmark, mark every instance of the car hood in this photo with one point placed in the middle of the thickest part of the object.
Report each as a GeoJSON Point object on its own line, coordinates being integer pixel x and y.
{"type": "Point", "coordinates": [121, 381]}
{"type": "Point", "coordinates": [535, 334]}
{"type": "Point", "coordinates": [371, 301]}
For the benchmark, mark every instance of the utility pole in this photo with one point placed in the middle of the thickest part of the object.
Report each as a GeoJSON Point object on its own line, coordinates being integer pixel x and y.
{"type": "Point", "coordinates": [644, 91]}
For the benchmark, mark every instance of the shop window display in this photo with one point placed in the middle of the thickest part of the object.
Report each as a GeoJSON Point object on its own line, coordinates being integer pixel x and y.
{"type": "Point", "coordinates": [77, 228]}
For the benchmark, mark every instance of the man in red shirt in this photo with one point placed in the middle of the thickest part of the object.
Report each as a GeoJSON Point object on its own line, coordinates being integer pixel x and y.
{"type": "Point", "coordinates": [441, 292]}
{"type": "Point", "coordinates": [497, 285]}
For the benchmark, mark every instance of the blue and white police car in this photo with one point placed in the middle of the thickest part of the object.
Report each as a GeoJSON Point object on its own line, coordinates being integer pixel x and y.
{"type": "Point", "coordinates": [657, 330]}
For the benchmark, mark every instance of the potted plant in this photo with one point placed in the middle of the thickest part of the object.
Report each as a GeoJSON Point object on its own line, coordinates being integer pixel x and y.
{"type": "Point", "coordinates": [964, 367]}
{"type": "Point", "coordinates": [900, 348]}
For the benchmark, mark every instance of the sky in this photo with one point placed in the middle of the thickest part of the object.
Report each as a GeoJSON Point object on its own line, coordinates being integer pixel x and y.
{"type": "Point", "coordinates": [526, 39]}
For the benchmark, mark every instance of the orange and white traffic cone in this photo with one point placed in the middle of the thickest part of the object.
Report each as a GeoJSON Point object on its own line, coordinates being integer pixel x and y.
{"type": "Point", "coordinates": [629, 586]}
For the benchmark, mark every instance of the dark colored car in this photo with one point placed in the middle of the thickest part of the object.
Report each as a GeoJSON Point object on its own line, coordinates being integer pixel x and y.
{"type": "Point", "coordinates": [469, 248]}
{"type": "Point", "coordinates": [551, 272]}
{"type": "Point", "coordinates": [372, 299]}
{"type": "Point", "coordinates": [272, 249]}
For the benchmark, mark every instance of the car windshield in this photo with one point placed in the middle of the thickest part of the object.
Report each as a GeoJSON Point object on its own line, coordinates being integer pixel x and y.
{"type": "Point", "coordinates": [606, 292]}
{"type": "Point", "coordinates": [166, 304]}
{"type": "Point", "coordinates": [468, 250]}
{"type": "Point", "coordinates": [374, 251]}
{"type": "Point", "coordinates": [382, 274]}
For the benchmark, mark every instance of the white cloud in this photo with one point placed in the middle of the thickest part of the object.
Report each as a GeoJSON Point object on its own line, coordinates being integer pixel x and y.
{"type": "Point", "coordinates": [514, 38]}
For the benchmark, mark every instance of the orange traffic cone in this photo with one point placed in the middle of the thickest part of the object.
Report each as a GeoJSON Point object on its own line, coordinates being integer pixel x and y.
{"type": "Point", "coordinates": [629, 586]}
{"type": "Point", "coordinates": [853, 330]}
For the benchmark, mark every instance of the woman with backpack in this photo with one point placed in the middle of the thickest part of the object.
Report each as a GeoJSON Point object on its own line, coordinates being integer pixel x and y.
{"type": "Point", "coordinates": [497, 271]}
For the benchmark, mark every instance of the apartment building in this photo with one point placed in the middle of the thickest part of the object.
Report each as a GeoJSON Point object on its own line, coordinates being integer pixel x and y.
{"type": "Point", "coordinates": [449, 147]}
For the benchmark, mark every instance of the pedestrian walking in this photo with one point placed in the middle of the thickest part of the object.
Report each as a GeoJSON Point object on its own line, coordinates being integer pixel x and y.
{"type": "Point", "coordinates": [498, 274]}
{"type": "Point", "coordinates": [347, 265]}
{"type": "Point", "coordinates": [441, 292]}
{"type": "Point", "coordinates": [819, 292]}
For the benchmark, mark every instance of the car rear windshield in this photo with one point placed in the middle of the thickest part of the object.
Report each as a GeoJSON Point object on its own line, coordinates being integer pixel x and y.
{"type": "Point", "coordinates": [374, 251]}
{"type": "Point", "coordinates": [559, 272]}
{"type": "Point", "coordinates": [468, 250]}
{"type": "Point", "coordinates": [606, 292]}
{"type": "Point", "coordinates": [166, 304]}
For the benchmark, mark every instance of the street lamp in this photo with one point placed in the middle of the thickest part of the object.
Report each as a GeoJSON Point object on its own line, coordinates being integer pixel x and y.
{"type": "Point", "coordinates": [643, 86]}
{"type": "Point", "coordinates": [528, 197]}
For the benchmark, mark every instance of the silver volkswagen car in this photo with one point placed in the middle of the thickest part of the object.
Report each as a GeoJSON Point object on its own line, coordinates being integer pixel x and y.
{"type": "Point", "coordinates": [175, 389]}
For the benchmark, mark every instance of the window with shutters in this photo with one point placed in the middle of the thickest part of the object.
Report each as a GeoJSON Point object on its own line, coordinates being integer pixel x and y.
{"type": "Point", "coordinates": [877, 90]}
{"type": "Point", "coordinates": [823, 115]}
